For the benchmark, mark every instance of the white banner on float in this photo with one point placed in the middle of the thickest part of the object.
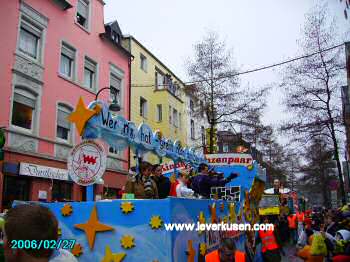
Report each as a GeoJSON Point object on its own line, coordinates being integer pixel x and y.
{"type": "Point", "coordinates": [229, 159]}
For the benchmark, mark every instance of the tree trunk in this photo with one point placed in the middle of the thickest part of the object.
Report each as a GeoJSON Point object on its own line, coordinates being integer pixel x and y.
{"type": "Point", "coordinates": [212, 116]}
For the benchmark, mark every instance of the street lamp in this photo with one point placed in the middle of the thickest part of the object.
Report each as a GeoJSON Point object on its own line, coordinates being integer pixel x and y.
{"type": "Point", "coordinates": [114, 106]}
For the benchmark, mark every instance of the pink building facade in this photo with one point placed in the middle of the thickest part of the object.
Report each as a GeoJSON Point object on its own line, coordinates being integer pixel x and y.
{"type": "Point", "coordinates": [52, 52]}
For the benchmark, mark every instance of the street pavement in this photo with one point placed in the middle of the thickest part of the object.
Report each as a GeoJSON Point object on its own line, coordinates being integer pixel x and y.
{"type": "Point", "coordinates": [290, 254]}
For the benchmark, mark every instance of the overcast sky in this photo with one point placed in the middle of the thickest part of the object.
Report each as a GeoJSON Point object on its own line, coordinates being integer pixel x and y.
{"type": "Point", "coordinates": [259, 32]}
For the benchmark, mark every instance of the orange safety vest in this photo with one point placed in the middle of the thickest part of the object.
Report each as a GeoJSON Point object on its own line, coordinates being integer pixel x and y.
{"type": "Point", "coordinates": [292, 223]}
{"type": "Point", "coordinates": [300, 216]}
{"type": "Point", "coordinates": [214, 256]}
{"type": "Point", "coordinates": [268, 240]}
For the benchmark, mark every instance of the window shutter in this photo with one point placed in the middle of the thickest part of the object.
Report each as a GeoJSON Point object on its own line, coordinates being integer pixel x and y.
{"type": "Point", "coordinates": [90, 65]}
{"type": "Point", "coordinates": [68, 52]}
{"type": "Point", "coordinates": [116, 82]}
{"type": "Point", "coordinates": [31, 29]}
{"type": "Point", "coordinates": [24, 100]}
{"type": "Point", "coordinates": [82, 8]}
{"type": "Point", "coordinates": [62, 119]}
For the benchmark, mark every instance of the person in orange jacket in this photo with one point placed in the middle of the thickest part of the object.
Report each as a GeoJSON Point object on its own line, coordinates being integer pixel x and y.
{"type": "Point", "coordinates": [227, 252]}
{"type": "Point", "coordinates": [292, 224]}
{"type": "Point", "coordinates": [271, 244]}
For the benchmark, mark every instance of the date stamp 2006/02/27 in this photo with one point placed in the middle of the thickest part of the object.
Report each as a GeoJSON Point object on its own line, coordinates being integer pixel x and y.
{"type": "Point", "coordinates": [45, 244]}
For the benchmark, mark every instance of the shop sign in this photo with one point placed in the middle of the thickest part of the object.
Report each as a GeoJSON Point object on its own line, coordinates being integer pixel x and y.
{"type": "Point", "coordinates": [27, 169]}
{"type": "Point", "coordinates": [229, 159]}
{"type": "Point", "coordinates": [87, 163]}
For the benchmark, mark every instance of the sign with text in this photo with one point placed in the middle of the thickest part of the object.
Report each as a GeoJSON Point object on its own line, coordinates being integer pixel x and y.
{"type": "Point", "coordinates": [169, 167]}
{"type": "Point", "coordinates": [120, 133]}
{"type": "Point", "coordinates": [27, 169]}
{"type": "Point", "coordinates": [87, 163]}
{"type": "Point", "coordinates": [229, 159]}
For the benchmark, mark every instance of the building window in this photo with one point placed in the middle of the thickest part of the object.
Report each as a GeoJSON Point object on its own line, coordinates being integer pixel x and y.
{"type": "Point", "coordinates": [203, 135]}
{"type": "Point", "coordinates": [115, 37]}
{"type": "Point", "coordinates": [67, 61]}
{"type": "Point", "coordinates": [201, 108]}
{"type": "Point", "coordinates": [143, 62]}
{"type": "Point", "coordinates": [116, 85]}
{"type": "Point", "coordinates": [192, 129]}
{"type": "Point", "coordinates": [170, 115]}
{"type": "Point", "coordinates": [83, 13]}
{"type": "Point", "coordinates": [90, 71]}
{"type": "Point", "coordinates": [23, 109]}
{"type": "Point", "coordinates": [63, 125]}
{"type": "Point", "coordinates": [29, 39]}
{"type": "Point", "coordinates": [113, 150]}
{"type": "Point", "coordinates": [175, 118]}
{"type": "Point", "coordinates": [160, 80]}
{"type": "Point", "coordinates": [225, 148]}
{"type": "Point", "coordinates": [159, 113]}
{"type": "Point", "coordinates": [191, 106]}
{"type": "Point", "coordinates": [61, 191]}
{"type": "Point", "coordinates": [143, 107]}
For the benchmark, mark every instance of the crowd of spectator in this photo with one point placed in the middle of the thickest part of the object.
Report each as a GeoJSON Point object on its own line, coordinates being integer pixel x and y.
{"type": "Point", "coordinates": [148, 182]}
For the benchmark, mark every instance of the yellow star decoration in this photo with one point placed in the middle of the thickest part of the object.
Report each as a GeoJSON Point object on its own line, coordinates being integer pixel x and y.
{"type": "Point", "coordinates": [202, 249]}
{"type": "Point", "coordinates": [112, 257]}
{"type": "Point", "coordinates": [127, 207]}
{"type": "Point", "coordinates": [156, 222]}
{"type": "Point", "coordinates": [66, 210]}
{"type": "Point", "coordinates": [127, 241]}
{"type": "Point", "coordinates": [77, 250]}
{"type": "Point", "coordinates": [92, 226]}
{"type": "Point", "coordinates": [81, 115]}
{"type": "Point", "coordinates": [191, 253]}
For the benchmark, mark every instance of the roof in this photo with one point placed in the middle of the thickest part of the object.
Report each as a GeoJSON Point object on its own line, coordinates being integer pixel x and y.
{"type": "Point", "coordinates": [160, 62]}
{"type": "Point", "coordinates": [126, 52]}
{"type": "Point", "coordinates": [115, 26]}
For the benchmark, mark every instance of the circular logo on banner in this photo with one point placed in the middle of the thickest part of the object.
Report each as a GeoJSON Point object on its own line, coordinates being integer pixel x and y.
{"type": "Point", "coordinates": [87, 163]}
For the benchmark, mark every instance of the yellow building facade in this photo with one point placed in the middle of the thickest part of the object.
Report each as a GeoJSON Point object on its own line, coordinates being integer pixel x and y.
{"type": "Point", "coordinates": [157, 95]}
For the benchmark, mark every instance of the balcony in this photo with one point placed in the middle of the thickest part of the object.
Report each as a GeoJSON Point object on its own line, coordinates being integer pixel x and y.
{"type": "Point", "coordinates": [166, 83]}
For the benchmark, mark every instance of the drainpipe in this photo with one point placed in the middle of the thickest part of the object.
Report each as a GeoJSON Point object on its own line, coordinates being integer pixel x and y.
{"type": "Point", "coordinates": [129, 67]}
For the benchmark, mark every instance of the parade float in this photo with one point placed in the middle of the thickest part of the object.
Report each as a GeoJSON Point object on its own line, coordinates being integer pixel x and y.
{"type": "Point", "coordinates": [134, 229]}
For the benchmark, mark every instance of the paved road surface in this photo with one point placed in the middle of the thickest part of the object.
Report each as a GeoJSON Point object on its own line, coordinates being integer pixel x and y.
{"type": "Point", "coordinates": [290, 255]}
